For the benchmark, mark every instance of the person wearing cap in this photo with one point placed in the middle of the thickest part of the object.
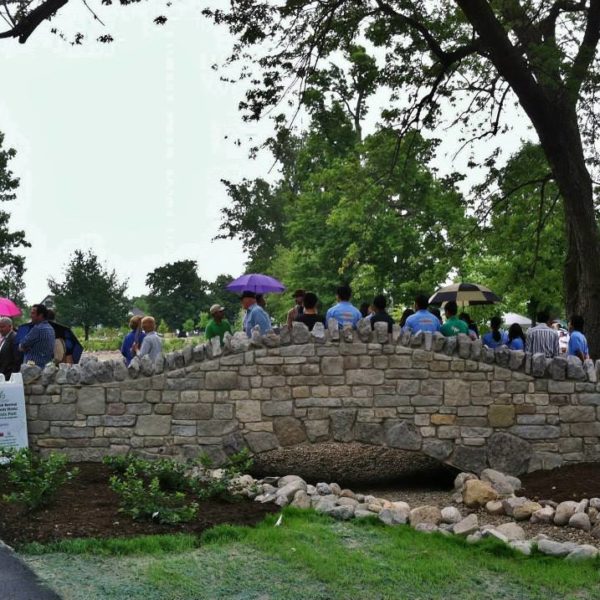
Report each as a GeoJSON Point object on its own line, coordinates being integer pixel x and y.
{"type": "Point", "coordinates": [217, 324]}
{"type": "Point", "coordinates": [255, 314]}
{"type": "Point", "coordinates": [297, 309]}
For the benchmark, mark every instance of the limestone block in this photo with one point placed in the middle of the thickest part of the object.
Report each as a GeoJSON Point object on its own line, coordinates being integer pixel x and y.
{"type": "Point", "coordinates": [571, 414]}
{"type": "Point", "coordinates": [501, 415]}
{"type": "Point", "coordinates": [317, 430]}
{"type": "Point", "coordinates": [488, 355]}
{"type": "Point", "coordinates": [536, 432]}
{"type": "Point", "coordinates": [30, 373]}
{"type": "Point", "coordinates": [364, 377]}
{"type": "Point", "coordinates": [300, 333]}
{"type": "Point", "coordinates": [261, 441]}
{"type": "Point", "coordinates": [438, 419]}
{"type": "Point", "coordinates": [538, 365]}
{"type": "Point", "coordinates": [558, 368]}
{"type": "Point", "coordinates": [438, 449]}
{"type": "Point", "coordinates": [516, 359]}
{"type": "Point", "coordinates": [348, 333]}
{"type": "Point", "coordinates": [476, 347]}
{"type": "Point", "coordinates": [381, 333]}
{"type": "Point", "coordinates": [370, 433]}
{"type": "Point", "coordinates": [469, 458]}
{"type": "Point", "coordinates": [318, 334]}
{"type": "Point", "coordinates": [157, 425]}
{"type": "Point", "coordinates": [134, 368]}
{"type": "Point", "coordinates": [590, 371]}
{"type": "Point", "coordinates": [289, 431]}
{"type": "Point", "coordinates": [120, 372]}
{"type": "Point", "coordinates": [91, 401]}
{"type": "Point", "coordinates": [363, 329]}
{"type": "Point", "coordinates": [402, 434]}
{"type": "Point", "coordinates": [192, 411]}
{"type": "Point", "coordinates": [508, 453]}
{"type": "Point", "coordinates": [57, 412]}
{"type": "Point", "coordinates": [457, 393]}
{"type": "Point", "coordinates": [342, 423]}
{"type": "Point", "coordinates": [332, 365]}
{"type": "Point", "coordinates": [464, 345]}
{"type": "Point", "coordinates": [221, 380]}
{"type": "Point", "coordinates": [575, 369]}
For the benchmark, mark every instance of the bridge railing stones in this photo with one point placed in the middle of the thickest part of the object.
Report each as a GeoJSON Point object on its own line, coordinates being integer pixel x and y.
{"type": "Point", "coordinates": [450, 398]}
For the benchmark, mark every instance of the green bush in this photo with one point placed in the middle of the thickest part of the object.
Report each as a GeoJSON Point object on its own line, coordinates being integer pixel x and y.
{"type": "Point", "coordinates": [35, 480]}
{"type": "Point", "coordinates": [220, 487]}
{"type": "Point", "coordinates": [152, 489]}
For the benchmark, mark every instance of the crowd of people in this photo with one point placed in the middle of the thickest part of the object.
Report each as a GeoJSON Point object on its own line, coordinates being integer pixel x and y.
{"type": "Point", "coordinates": [43, 340]}
{"type": "Point", "coordinates": [542, 338]}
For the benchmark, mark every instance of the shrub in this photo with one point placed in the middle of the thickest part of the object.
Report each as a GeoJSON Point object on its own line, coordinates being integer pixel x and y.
{"type": "Point", "coordinates": [153, 490]}
{"type": "Point", "coordinates": [207, 486]}
{"type": "Point", "coordinates": [35, 480]}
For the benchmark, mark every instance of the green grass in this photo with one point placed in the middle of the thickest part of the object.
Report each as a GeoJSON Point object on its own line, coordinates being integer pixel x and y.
{"type": "Point", "coordinates": [308, 556]}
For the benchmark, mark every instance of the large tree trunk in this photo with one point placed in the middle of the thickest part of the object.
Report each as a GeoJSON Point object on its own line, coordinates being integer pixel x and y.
{"type": "Point", "coordinates": [562, 146]}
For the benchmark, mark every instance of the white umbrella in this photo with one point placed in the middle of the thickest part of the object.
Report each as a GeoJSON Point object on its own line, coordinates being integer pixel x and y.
{"type": "Point", "coordinates": [510, 318]}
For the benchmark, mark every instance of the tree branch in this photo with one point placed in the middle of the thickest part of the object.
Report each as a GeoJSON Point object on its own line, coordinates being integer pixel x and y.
{"type": "Point", "coordinates": [28, 23]}
{"type": "Point", "coordinates": [586, 52]}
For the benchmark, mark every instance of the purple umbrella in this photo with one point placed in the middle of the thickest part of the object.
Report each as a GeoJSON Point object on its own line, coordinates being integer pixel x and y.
{"type": "Point", "coordinates": [255, 282]}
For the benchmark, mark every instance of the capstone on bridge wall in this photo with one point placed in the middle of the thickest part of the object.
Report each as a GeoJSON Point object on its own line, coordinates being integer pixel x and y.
{"type": "Point", "coordinates": [450, 398]}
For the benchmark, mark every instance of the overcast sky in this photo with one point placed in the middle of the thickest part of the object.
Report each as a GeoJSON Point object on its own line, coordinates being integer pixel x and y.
{"type": "Point", "coordinates": [121, 147]}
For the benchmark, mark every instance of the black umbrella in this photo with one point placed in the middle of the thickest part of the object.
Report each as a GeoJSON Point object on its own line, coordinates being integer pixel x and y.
{"type": "Point", "coordinates": [465, 294]}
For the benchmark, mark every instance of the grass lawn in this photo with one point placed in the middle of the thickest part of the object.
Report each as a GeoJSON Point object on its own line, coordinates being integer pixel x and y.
{"type": "Point", "coordinates": [308, 556]}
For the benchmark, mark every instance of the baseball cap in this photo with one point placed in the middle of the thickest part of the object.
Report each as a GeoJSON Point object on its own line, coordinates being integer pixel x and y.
{"type": "Point", "coordinates": [215, 308]}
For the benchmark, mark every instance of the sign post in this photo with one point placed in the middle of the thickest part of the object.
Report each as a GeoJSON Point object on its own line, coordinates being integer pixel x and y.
{"type": "Point", "coordinates": [13, 418]}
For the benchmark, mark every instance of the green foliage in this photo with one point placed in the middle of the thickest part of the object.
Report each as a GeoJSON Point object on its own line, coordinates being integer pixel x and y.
{"type": "Point", "coordinates": [163, 328]}
{"type": "Point", "coordinates": [520, 248]}
{"type": "Point", "coordinates": [189, 325]}
{"type": "Point", "coordinates": [208, 486]}
{"type": "Point", "coordinates": [176, 293]}
{"type": "Point", "coordinates": [90, 295]}
{"type": "Point", "coordinates": [12, 265]}
{"type": "Point", "coordinates": [35, 480]}
{"type": "Point", "coordinates": [153, 490]}
{"type": "Point", "coordinates": [217, 294]}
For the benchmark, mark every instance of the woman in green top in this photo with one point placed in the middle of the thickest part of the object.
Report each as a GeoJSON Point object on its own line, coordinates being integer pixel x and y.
{"type": "Point", "coordinates": [218, 324]}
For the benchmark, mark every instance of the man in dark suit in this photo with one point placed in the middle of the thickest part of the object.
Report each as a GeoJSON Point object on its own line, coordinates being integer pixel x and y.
{"type": "Point", "coordinates": [10, 358]}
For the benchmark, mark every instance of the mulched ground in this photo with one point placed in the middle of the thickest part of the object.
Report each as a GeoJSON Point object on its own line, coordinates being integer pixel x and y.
{"type": "Point", "coordinates": [572, 482]}
{"type": "Point", "coordinates": [87, 507]}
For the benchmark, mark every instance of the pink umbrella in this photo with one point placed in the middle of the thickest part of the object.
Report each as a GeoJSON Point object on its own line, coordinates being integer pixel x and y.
{"type": "Point", "coordinates": [9, 309]}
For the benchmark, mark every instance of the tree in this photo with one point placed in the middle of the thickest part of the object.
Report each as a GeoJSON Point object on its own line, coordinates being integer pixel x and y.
{"type": "Point", "coordinates": [176, 293]}
{"type": "Point", "coordinates": [464, 59]}
{"type": "Point", "coordinates": [521, 248]}
{"type": "Point", "coordinates": [12, 265]}
{"type": "Point", "coordinates": [90, 295]}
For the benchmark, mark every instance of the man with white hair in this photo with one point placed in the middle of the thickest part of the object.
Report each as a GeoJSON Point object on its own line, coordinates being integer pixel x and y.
{"type": "Point", "coordinates": [10, 359]}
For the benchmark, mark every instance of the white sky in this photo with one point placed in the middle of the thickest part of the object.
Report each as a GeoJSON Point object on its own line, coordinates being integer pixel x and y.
{"type": "Point", "coordinates": [121, 147]}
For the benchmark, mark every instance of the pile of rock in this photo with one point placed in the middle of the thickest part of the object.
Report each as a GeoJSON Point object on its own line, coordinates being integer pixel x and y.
{"type": "Point", "coordinates": [496, 493]}
{"type": "Point", "coordinates": [493, 491]}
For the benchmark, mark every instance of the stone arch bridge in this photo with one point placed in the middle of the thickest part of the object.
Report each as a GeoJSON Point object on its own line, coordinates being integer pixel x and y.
{"type": "Point", "coordinates": [449, 398]}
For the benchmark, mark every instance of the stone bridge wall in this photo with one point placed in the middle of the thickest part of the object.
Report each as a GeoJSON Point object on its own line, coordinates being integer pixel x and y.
{"type": "Point", "coordinates": [446, 397]}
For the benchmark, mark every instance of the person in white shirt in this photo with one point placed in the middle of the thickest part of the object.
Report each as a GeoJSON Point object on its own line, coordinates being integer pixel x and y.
{"type": "Point", "coordinates": [152, 344]}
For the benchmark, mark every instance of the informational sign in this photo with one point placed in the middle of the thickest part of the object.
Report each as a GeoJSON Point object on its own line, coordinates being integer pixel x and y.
{"type": "Point", "coordinates": [13, 418]}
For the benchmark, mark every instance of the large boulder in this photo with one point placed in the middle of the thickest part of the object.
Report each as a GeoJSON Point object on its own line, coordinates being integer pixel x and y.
{"type": "Point", "coordinates": [478, 493]}
{"type": "Point", "coordinates": [425, 514]}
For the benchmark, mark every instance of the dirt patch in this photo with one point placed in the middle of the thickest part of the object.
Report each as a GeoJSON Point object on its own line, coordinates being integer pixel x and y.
{"type": "Point", "coordinates": [87, 507]}
{"type": "Point", "coordinates": [571, 482]}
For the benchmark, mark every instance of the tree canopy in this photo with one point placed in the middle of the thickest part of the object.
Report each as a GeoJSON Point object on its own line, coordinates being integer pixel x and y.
{"type": "Point", "coordinates": [90, 294]}
{"type": "Point", "coordinates": [176, 293]}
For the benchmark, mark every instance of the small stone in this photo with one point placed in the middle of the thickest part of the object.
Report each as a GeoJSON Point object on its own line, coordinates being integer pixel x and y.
{"type": "Point", "coordinates": [583, 552]}
{"type": "Point", "coordinates": [451, 514]}
{"type": "Point", "coordinates": [347, 494]}
{"type": "Point", "coordinates": [335, 489]}
{"type": "Point", "coordinates": [494, 507]}
{"type": "Point", "coordinates": [524, 547]}
{"type": "Point", "coordinates": [478, 493]}
{"type": "Point", "coordinates": [400, 505]}
{"type": "Point", "coordinates": [564, 511]}
{"type": "Point", "coordinates": [342, 513]}
{"type": "Point", "coordinates": [360, 513]}
{"type": "Point", "coordinates": [311, 490]}
{"type": "Point", "coordinates": [512, 531]}
{"type": "Point", "coordinates": [474, 537]}
{"type": "Point", "coordinates": [468, 525]}
{"type": "Point", "coordinates": [558, 549]}
{"type": "Point", "coordinates": [392, 516]}
{"type": "Point", "coordinates": [544, 515]}
{"type": "Point", "coordinates": [301, 499]}
{"type": "Point", "coordinates": [492, 532]}
{"type": "Point", "coordinates": [525, 510]}
{"type": "Point", "coordinates": [425, 514]}
{"type": "Point", "coordinates": [595, 503]}
{"type": "Point", "coordinates": [461, 479]}
{"type": "Point", "coordinates": [323, 489]}
{"type": "Point", "coordinates": [580, 521]}
{"type": "Point", "coordinates": [283, 481]}
{"type": "Point", "coordinates": [499, 482]}
{"type": "Point", "coordinates": [289, 490]}
{"type": "Point", "coordinates": [509, 504]}
{"type": "Point", "coordinates": [426, 528]}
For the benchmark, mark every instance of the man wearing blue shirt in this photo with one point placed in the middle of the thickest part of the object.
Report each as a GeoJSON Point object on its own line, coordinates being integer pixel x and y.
{"type": "Point", "coordinates": [344, 312]}
{"type": "Point", "coordinates": [38, 344]}
{"type": "Point", "coordinates": [578, 345]}
{"type": "Point", "coordinates": [255, 315]}
{"type": "Point", "coordinates": [422, 320]}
